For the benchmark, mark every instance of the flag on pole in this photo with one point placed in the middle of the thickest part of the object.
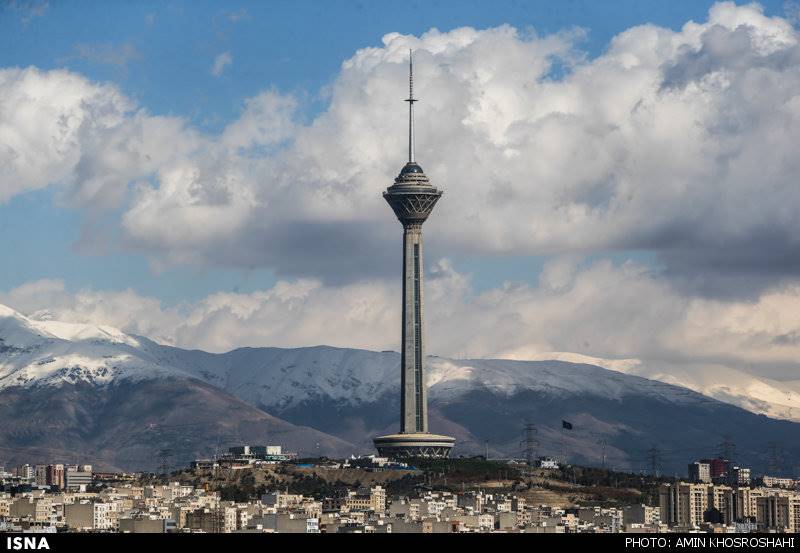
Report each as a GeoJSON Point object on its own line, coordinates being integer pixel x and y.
{"type": "Point", "coordinates": [566, 425]}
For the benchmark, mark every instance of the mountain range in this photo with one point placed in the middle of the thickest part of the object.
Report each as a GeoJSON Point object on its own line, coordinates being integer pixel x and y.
{"type": "Point", "coordinates": [88, 393]}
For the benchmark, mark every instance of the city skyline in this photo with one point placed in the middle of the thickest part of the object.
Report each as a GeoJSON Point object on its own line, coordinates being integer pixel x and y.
{"type": "Point", "coordinates": [487, 496]}
{"type": "Point", "coordinates": [202, 328]}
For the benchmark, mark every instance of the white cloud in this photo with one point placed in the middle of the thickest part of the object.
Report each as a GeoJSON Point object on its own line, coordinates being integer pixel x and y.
{"type": "Point", "coordinates": [48, 299]}
{"type": "Point", "coordinates": [681, 143]}
{"type": "Point", "coordinates": [601, 309]}
{"type": "Point", "coordinates": [678, 142]}
{"type": "Point", "coordinates": [621, 316]}
{"type": "Point", "coordinates": [220, 63]}
{"type": "Point", "coordinates": [46, 121]}
{"type": "Point", "coordinates": [265, 121]}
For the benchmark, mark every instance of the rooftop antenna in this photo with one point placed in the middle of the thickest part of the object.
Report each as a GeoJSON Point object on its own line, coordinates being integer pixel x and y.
{"type": "Point", "coordinates": [411, 101]}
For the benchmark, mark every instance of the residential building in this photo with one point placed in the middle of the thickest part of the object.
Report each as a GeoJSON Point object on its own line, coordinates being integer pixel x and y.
{"type": "Point", "coordinates": [777, 482]}
{"type": "Point", "coordinates": [40, 475]}
{"type": "Point", "coordinates": [683, 504]}
{"type": "Point", "coordinates": [219, 520]}
{"type": "Point", "coordinates": [78, 477]}
{"type": "Point", "coordinates": [641, 514]}
{"type": "Point", "coordinates": [700, 472]}
{"type": "Point", "coordinates": [56, 476]}
{"type": "Point", "coordinates": [90, 515]}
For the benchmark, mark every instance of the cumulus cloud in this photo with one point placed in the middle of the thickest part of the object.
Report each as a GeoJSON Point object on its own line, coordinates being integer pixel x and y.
{"type": "Point", "coordinates": [621, 316]}
{"type": "Point", "coordinates": [220, 63]}
{"type": "Point", "coordinates": [46, 121]}
{"type": "Point", "coordinates": [680, 143]}
{"type": "Point", "coordinates": [610, 311]}
{"type": "Point", "coordinates": [48, 299]}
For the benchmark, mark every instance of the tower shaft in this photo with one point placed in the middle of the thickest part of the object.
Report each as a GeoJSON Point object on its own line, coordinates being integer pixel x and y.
{"type": "Point", "coordinates": [414, 404]}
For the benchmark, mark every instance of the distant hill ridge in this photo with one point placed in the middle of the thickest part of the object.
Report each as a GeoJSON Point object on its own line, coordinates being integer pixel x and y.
{"type": "Point", "coordinates": [333, 400]}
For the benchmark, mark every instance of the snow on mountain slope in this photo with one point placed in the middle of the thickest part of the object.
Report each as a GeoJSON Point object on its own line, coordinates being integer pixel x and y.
{"type": "Point", "coordinates": [280, 379]}
{"type": "Point", "coordinates": [57, 401]}
{"type": "Point", "coordinates": [39, 350]}
{"type": "Point", "coordinates": [557, 378]}
{"type": "Point", "coordinates": [49, 352]}
{"type": "Point", "coordinates": [275, 377]}
{"type": "Point", "coordinates": [764, 396]}
{"type": "Point", "coordinates": [776, 399]}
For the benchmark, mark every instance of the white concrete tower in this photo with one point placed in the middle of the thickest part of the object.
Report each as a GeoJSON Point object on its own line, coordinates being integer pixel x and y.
{"type": "Point", "coordinates": [412, 198]}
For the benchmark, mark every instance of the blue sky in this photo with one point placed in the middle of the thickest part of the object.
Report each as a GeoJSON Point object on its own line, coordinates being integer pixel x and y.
{"type": "Point", "coordinates": [160, 54]}
{"type": "Point", "coordinates": [620, 177]}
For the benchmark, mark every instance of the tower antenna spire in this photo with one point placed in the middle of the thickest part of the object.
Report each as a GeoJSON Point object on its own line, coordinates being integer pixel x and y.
{"type": "Point", "coordinates": [411, 101]}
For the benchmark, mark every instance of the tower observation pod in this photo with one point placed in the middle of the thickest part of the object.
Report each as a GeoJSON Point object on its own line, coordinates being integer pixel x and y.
{"type": "Point", "coordinates": [412, 198]}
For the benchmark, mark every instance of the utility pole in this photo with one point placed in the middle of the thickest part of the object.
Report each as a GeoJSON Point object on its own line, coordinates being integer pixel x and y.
{"type": "Point", "coordinates": [529, 442]}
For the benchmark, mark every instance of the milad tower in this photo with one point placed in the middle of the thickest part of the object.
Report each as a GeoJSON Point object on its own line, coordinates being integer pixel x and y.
{"type": "Point", "coordinates": [412, 198]}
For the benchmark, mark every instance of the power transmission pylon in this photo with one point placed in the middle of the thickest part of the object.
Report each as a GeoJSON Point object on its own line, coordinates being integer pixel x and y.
{"type": "Point", "coordinates": [529, 443]}
{"type": "Point", "coordinates": [603, 444]}
{"type": "Point", "coordinates": [726, 449]}
{"type": "Point", "coordinates": [164, 456]}
{"type": "Point", "coordinates": [774, 452]}
{"type": "Point", "coordinates": [654, 456]}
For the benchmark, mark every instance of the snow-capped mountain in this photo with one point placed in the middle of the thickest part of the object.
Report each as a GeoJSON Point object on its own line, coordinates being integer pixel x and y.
{"type": "Point", "coordinates": [101, 388]}
{"type": "Point", "coordinates": [353, 394]}
{"type": "Point", "coordinates": [280, 379]}
{"type": "Point", "coordinates": [83, 393]}
{"type": "Point", "coordinates": [34, 352]}
{"type": "Point", "coordinates": [757, 394]}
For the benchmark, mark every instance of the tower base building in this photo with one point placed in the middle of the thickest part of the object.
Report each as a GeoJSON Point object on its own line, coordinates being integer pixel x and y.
{"type": "Point", "coordinates": [414, 444]}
